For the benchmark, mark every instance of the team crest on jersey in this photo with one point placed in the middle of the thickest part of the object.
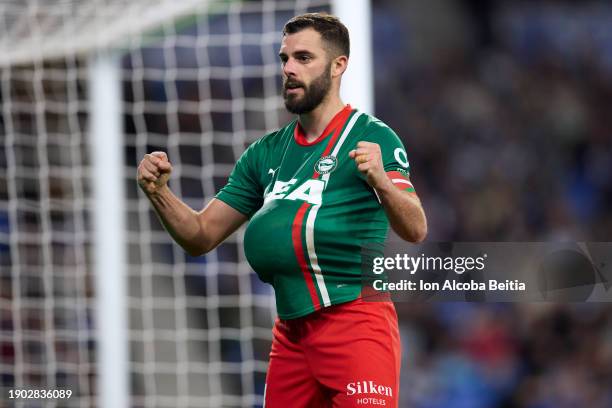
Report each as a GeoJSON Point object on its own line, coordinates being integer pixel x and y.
{"type": "Point", "coordinates": [326, 164]}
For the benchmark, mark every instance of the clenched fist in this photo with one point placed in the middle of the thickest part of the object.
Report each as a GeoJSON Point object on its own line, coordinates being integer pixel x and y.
{"type": "Point", "coordinates": [153, 172]}
{"type": "Point", "coordinates": [368, 158]}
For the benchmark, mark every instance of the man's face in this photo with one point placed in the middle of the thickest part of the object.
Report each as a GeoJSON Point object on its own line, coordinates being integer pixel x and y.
{"type": "Point", "coordinates": [306, 71]}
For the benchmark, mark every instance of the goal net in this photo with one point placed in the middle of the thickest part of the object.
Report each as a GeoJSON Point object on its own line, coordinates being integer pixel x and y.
{"type": "Point", "coordinates": [199, 80]}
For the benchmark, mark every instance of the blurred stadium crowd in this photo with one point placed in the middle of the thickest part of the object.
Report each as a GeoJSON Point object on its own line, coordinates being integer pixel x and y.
{"type": "Point", "coordinates": [504, 107]}
{"type": "Point", "coordinates": [505, 113]}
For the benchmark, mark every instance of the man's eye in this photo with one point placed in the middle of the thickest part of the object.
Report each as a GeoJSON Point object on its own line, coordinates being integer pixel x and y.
{"type": "Point", "coordinates": [305, 58]}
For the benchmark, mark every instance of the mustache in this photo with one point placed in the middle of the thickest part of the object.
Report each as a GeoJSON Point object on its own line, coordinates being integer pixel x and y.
{"type": "Point", "coordinates": [289, 84]}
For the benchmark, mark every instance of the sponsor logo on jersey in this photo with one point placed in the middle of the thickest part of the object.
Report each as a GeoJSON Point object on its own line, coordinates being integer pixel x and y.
{"type": "Point", "coordinates": [309, 191]}
{"type": "Point", "coordinates": [326, 164]}
{"type": "Point", "coordinates": [368, 387]}
{"type": "Point", "coordinates": [401, 157]}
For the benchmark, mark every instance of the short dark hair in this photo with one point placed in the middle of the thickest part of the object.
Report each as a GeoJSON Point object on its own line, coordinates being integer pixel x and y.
{"type": "Point", "coordinates": [330, 27]}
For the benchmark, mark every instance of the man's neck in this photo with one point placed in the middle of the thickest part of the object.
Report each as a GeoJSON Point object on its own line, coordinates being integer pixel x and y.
{"type": "Point", "coordinates": [314, 123]}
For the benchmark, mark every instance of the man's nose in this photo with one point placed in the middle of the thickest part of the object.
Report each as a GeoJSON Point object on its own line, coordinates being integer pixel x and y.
{"type": "Point", "coordinates": [289, 68]}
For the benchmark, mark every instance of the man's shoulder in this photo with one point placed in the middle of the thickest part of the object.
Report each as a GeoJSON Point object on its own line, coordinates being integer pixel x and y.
{"type": "Point", "coordinates": [373, 124]}
{"type": "Point", "coordinates": [273, 138]}
{"type": "Point", "coordinates": [374, 128]}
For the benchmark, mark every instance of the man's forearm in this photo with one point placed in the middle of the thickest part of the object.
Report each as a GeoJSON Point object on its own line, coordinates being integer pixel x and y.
{"type": "Point", "coordinates": [179, 220]}
{"type": "Point", "coordinates": [404, 212]}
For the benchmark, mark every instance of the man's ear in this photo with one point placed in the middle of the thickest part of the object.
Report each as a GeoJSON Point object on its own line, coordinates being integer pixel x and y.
{"type": "Point", "coordinates": [339, 65]}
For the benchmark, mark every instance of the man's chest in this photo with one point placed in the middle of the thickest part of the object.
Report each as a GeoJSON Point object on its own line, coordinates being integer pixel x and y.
{"type": "Point", "coordinates": [300, 174]}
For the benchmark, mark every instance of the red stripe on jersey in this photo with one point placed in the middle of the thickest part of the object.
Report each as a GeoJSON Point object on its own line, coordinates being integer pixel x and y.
{"type": "Point", "coordinates": [298, 247]}
{"type": "Point", "coordinates": [342, 117]}
{"type": "Point", "coordinates": [337, 120]}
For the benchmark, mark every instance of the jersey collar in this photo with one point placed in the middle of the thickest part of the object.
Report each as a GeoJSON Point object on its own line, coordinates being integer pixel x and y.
{"type": "Point", "coordinates": [338, 120]}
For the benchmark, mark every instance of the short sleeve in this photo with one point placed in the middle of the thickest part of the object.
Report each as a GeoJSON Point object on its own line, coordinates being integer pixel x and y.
{"type": "Point", "coordinates": [243, 191]}
{"type": "Point", "coordinates": [394, 157]}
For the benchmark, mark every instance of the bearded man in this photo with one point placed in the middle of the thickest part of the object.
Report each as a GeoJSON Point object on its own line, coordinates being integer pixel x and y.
{"type": "Point", "coordinates": [314, 193]}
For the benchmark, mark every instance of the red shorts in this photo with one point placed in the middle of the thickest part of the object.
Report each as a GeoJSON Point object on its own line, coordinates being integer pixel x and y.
{"type": "Point", "coordinates": [347, 355]}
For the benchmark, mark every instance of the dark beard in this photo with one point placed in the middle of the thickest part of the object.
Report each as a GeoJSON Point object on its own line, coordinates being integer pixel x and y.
{"type": "Point", "coordinates": [313, 94]}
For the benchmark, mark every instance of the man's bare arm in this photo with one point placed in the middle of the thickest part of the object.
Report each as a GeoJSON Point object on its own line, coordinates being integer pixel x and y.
{"type": "Point", "coordinates": [404, 212]}
{"type": "Point", "coordinates": [197, 232]}
{"type": "Point", "coordinates": [403, 209]}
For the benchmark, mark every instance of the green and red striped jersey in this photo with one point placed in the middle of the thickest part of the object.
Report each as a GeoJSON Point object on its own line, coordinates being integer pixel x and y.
{"type": "Point", "coordinates": [311, 210]}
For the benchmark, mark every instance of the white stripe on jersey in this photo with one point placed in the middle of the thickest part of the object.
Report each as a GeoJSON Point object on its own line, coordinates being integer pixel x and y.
{"type": "Point", "coordinates": [312, 215]}
{"type": "Point", "coordinates": [312, 255]}
{"type": "Point", "coordinates": [343, 137]}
